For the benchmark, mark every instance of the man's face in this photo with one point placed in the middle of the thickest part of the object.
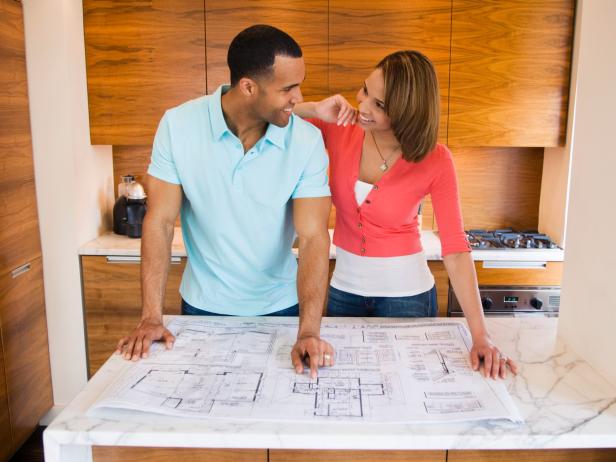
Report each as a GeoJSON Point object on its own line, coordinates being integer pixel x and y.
{"type": "Point", "coordinates": [280, 91]}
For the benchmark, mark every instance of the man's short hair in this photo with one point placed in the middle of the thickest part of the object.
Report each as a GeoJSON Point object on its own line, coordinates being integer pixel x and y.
{"type": "Point", "coordinates": [253, 51]}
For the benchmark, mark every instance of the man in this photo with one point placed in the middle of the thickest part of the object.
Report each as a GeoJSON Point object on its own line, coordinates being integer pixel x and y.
{"type": "Point", "coordinates": [246, 174]}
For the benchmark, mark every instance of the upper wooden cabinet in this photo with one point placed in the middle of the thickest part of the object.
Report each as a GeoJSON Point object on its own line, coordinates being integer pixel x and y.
{"type": "Point", "coordinates": [304, 20]}
{"type": "Point", "coordinates": [362, 32]}
{"type": "Point", "coordinates": [142, 58]}
{"type": "Point", "coordinates": [510, 62]}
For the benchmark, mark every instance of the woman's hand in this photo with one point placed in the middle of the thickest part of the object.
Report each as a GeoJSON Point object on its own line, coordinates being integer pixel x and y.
{"type": "Point", "coordinates": [494, 361]}
{"type": "Point", "coordinates": [336, 109]}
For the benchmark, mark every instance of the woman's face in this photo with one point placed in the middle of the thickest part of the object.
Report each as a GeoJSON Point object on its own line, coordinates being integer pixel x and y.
{"type": "Point", "coordinates": [371, 103]}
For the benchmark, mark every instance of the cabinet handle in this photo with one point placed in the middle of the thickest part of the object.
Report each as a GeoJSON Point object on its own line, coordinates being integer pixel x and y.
{"type": "Point", "coordinates": [136, 259]}
{"type": "Point", "coordinates": [515, 264]}
{"type": "Point", "coordinates": [21, 270]}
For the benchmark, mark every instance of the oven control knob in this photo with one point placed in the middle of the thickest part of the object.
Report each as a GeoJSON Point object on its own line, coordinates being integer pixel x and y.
{"type": "Point", "coordinates": [487, 303]}
{"type": "Point", "coordinates": [536, 303]}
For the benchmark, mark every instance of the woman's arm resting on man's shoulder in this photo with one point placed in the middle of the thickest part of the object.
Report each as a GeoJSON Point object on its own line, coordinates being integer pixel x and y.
{"type": "Point", "coordinates": [334, 109]}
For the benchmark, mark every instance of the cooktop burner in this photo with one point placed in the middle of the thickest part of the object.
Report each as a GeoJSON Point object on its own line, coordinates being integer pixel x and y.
{"type": "Point", "coordinates": [507, 238]}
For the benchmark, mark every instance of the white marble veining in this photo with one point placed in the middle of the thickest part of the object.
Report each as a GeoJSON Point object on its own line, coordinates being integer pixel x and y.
{"type": "Point", "coordinates": [113, 244]}
{"type": "Point", "coordinates": [565, 404]}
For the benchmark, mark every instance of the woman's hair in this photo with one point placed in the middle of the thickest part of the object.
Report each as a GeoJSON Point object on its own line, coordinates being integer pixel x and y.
{"type": "Point", "coordinates": [411, 102]}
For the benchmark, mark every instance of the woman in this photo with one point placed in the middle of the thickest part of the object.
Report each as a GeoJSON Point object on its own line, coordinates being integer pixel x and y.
{"type": "Point", "coordinates": [384, 159]}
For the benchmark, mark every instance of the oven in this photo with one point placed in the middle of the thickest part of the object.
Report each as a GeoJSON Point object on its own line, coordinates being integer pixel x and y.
{"type": "Point", "coordinates": [515, 301]}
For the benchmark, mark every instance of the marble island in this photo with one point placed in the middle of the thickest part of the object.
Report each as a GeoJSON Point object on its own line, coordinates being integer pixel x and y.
{"type": "Point", "coordinates": [113, 244]}
{"type": "Point", "coordinates": [564, 402]}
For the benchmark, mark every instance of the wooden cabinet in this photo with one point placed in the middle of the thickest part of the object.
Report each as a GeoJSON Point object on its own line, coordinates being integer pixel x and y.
{"type": "Point", "coordinates": [546, 455]}
{"type": "Point", "coordinates": [26, 352]}
{"type": "Point", "coordinates": [488, 274]}
{"type": "Point", "coordinates": [503, 67]}
{"type": "Point", "coordinates": [120, 454]}
{"type": "Point", "coordinates": [19, 232]}
{"type": "Point", "coordinates": [286, 455]}
{"type": "Point", "coordinates": [304, 20]}
{"type": "Point", "coordinates": [6, 443]}
{"type": "Point", "coordinates": [141, 59]}
{"type": "Point", "coordinates": [510, 63]}
{"type": "Point", "coordinates": [112, 299]}
{"type": "Point", "coordinates": [25, 376]}
{"type": "Point", "coordinates": [441, 280]}
{"type": "Point", "coordinates": [362, 32]}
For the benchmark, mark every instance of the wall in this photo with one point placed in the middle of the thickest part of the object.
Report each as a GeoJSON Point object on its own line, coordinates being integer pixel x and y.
{"type": "Point", "coordinates": [73, 178]}
{"type": "Point", "coordinates": [588, 303]}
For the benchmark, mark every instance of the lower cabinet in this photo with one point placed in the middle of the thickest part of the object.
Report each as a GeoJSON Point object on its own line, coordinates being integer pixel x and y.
{"type": "Point", "coordinates": [112, 300]}
{"type": "Point", "coordinates": [441, 280]}
{"type": "Point", "coordinates": [536, 455]}
{"type": "Point", "coordinates": [23, 326]}
{"type": "Point", "coordinates": [119, 454]}
{"type": "Point", "coordinates": [6, 442]}
{"type": "Point", "coordinates": [285, 455]}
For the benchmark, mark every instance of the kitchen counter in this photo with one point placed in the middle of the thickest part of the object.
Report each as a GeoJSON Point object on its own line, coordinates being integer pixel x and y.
{"type": "Point", "coordinates": [113, 244]}
{"type": "Point", "coordinates": [564, 402]}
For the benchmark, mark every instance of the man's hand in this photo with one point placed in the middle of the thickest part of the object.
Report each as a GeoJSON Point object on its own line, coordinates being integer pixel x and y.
{"type": "Point", "coordinates": [137, 345]}
{"type": "Point", "coordinates": [319, 353]}
{"type": "Point", "coordinates": [494, 361]}
{"type": "Point", "coordinates": [336, 109]}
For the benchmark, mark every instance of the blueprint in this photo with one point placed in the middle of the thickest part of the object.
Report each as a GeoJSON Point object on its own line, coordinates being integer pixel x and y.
{"type": "Point", "coordinates": [390, 372]}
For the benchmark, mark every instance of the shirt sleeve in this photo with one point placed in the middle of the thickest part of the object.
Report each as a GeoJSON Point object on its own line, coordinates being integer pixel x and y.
{"type": "Point", "coordinates": [446, 203]}
{"type": "Point", "coordinates": [162, 165]}
{"type": "Point", "coordinates": [313, 181]}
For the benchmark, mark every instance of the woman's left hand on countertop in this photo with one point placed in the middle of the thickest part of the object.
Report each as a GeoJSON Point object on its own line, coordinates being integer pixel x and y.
{"type": "Point", "coordinates": [495, 362]}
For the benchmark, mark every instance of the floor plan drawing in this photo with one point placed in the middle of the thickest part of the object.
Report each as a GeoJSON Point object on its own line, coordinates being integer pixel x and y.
{"type": "Point", "coordinates": [392, 372]}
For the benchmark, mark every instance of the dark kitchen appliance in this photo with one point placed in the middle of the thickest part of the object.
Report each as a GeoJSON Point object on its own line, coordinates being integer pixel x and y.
{"type": "Point", "coordinates": [130, 208]}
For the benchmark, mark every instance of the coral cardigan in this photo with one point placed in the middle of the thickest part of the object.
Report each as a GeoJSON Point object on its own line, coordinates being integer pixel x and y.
{"type": "Point", "coordinates": [385, 224]}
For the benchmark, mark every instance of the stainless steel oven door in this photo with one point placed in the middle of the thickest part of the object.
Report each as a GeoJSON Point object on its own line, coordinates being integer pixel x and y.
{"type": "Point", "coordinates": [512, 301]}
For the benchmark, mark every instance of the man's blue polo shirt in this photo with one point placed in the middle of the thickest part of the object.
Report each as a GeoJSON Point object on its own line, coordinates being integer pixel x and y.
{"type": "Point", "coordinates": [237, 210]}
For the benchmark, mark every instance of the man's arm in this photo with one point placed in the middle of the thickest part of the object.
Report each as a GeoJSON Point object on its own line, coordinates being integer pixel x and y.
{"type": "Point", "coordinates": [164, 202]}
{"type": "Point", "coordinates": [310, 216]}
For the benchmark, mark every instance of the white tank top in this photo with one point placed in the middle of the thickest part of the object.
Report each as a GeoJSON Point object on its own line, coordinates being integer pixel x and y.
{"type": "Point", "coordinates": [401, 276]}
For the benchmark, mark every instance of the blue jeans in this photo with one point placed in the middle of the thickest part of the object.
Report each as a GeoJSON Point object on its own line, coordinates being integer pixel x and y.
{"type": "Point", "coordinates": [342, 303]}
{"type": "Point", "coordinates": [188, 309]}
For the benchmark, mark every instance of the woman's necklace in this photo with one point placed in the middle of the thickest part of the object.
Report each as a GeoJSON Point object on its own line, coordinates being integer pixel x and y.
{"type": "Point", "coordinates": [384, 166]}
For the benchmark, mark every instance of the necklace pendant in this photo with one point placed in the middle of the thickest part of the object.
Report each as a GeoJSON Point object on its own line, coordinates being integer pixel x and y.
{"type": "Point", "coordinates": [384, 166]}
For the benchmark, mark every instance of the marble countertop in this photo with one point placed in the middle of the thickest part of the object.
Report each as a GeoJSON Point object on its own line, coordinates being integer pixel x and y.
{"type": "Point", "coordinates": [116, 245]}
{"type": "Point", "coordinates": [564, 402]}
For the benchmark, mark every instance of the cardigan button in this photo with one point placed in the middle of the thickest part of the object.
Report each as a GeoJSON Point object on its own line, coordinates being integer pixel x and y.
{"type": "Point", "coordinates": [367, 201]}
{"type": "Point", "coordinates": [359, 225]}
{"type": "Point", "coordinates": [363, 250]}
{"type": "Point", "coordinates": [375, 187]}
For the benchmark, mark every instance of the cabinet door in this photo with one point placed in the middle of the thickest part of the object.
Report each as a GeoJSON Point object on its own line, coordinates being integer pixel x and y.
{"type": "Point", "coordinates": [141, 59]}
{"type": "Point", "coordinates": [441, 280]}
{"type": "Point", "coordinates": [304, 20]}
{"type": "Point", "coordinates": [362, 32]}
{"type": "Point", "coordinates": [6, 443]}
{"type": "Point", "coordinates": [26, 351]}
{"type": "Point", "coordinates": [537, 455]}
{"type": "Point", "coordinates": [510, 63]}
{"type": "Point", "coordinates": [112, 297]}
{"type": "Point", "coordinates": [19, 233]}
